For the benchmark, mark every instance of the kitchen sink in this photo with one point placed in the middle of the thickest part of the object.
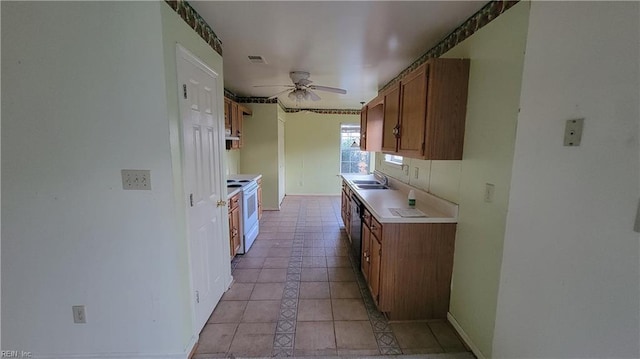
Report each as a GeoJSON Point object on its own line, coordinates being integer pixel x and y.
{"type": "Point", "coordinates": [357, 182]}
{"type": "Point", "coordinates": [372, 186]}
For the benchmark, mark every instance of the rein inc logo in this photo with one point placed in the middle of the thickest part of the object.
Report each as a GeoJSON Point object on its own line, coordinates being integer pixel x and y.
{"type": "Point", "coordinates": [14, 354]}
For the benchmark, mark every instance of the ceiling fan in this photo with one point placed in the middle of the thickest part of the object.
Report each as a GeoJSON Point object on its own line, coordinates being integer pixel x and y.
{"type": "Point", "coordinates": [302, 86]}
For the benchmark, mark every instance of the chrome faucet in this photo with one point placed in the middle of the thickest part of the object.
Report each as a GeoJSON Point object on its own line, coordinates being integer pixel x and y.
{"type": "Point", "coordinates": [386, 180]}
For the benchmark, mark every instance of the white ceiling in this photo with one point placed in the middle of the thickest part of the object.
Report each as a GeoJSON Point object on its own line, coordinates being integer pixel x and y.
{"type": "Point", "coordinates": [355, 45]}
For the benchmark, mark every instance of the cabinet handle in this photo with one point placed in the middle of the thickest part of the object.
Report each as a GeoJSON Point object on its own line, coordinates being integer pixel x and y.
{"type": "Point", "coordinates": [373, 227]}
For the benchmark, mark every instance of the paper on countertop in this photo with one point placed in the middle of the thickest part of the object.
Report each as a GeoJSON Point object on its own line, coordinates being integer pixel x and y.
{"type": "Point", "coordinates": [407, 212]}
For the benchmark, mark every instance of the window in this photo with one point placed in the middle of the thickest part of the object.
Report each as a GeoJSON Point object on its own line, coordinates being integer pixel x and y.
{"type": "Point", "coordinates": [352, 160]}
{"type": "Point", "coordinates": [396, 160]}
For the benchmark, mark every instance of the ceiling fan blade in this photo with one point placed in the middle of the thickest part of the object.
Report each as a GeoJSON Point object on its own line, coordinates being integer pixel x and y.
{"type": "Point", "coordinates": [328, 89]}
{"type": "Point", "coordinates": [273, 86]}
{"type": "Point", "coordinates": [313, 95]}
{"type": "Point", "coordinates": [304, 82]}
{"type": "Point", "coordinates": [278, 94]}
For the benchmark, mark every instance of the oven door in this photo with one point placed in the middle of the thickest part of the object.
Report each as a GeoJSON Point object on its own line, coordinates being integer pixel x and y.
{"type": "Point", "coordinates": [250, 216]}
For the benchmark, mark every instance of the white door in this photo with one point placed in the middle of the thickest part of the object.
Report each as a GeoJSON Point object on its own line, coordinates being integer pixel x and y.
{"type": "Point", "coordinates": [281, 159]}
{"type": "Point", "coordinates": [202, 151]}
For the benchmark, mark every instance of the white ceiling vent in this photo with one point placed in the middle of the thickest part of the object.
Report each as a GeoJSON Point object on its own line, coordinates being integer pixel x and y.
{"type": "Point", "coordinates": [256, 59]}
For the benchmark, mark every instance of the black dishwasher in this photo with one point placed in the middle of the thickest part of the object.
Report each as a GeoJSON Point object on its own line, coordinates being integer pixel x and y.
{"type": "Point", "coordinates": [356, 227]}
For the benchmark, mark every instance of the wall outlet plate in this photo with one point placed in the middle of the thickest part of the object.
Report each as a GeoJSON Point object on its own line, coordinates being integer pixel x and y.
{"type": "Point", "coordinates": [573, 132]}
{"type": "Point", "coordinates": [136, 179]}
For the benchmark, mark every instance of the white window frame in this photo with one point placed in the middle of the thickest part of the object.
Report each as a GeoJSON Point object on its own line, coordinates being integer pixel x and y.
{"type": "Point", "coordinates": [393, 160]}
{"type": "Point", "coordinates": [371, 156]}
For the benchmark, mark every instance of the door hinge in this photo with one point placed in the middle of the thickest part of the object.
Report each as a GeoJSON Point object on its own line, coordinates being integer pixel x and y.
{"type": "Point", "coordinates": [191, 199]}
{"type": "Point", "coordinates": [184, 91]}
{"type": "Point", "coordinates": [197, 296]}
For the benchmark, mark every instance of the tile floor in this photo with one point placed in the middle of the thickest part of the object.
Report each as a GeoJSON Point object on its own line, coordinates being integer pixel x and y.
{"type": "Point", "coordinates": [298, 293]}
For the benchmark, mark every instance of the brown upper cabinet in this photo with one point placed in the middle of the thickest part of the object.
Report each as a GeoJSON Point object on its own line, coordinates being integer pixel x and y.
{"type": "Point", "coordinates": [371, 117]}
{"type": "Point", "coordinates": [424, 113]}
{"type": "Point", "coordinates": [233, 118]}
{"type": "Point", "coordinates": [391, 118]}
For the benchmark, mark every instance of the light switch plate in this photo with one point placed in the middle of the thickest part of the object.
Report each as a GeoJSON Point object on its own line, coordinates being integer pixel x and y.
{"type": "Point", "coordinates": [136, 179]}
{"type": "Point", "coordinates": [489, 192]}
{"type": "Point", "coordinates": [573, 132]}
{"type": "Point", "coordinates": [79, 314]}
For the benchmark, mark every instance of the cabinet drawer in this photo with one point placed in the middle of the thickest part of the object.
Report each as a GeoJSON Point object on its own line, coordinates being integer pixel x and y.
{"type": "Point", "coordinates": [366, 218]}
{"type": "Point", "coordinates": [234, 202]}
{"type": "Point", "coordinates": [376, 228]}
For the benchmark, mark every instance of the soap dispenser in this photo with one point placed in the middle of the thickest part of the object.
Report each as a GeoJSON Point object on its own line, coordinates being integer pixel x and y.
{"type": "Point", "coordinates": [411, 198]}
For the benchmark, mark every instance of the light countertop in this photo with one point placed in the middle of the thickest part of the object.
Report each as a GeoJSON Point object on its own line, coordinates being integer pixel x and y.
{"type": "Point", "coordinates": [232, 191]}
{"type": "Point", "coordinates": [379, 202]}
{"type": "Point", "coordinates": [251, 177]}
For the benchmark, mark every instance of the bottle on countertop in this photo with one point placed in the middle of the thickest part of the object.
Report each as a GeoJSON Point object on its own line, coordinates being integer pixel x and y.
{"type": "Point", "coordinates": [412, 198]}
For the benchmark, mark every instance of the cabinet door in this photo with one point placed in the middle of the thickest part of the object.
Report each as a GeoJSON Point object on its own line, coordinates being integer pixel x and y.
{"type": "Point", "coordinates": [235, 120]}
{"type": "Point", "coordinates": [375, 116]}
{"type": "Point", "coordinates": [390, 119]}
{"type": "Point", "coordinates": [365, 264]}
{"type": "Point", "coordinates": [235, 214]}
{"type": "Point", "coordinates": [227, 113]}
{"type": "Point", "coordinates": [374, 270]}
{"type": "Point", "coordinates": [232, 250]}
{"type": "Point", "coordinates": [446, 108]}
{"type": "Point", "coordinates": [363, 129]}
{"type": "Point", "coordinates": [241, 112]}
{"type": "Point", "coordinates": [413, 117]}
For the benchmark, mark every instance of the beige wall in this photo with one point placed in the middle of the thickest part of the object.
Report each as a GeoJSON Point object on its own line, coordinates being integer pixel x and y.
{"type": "Point", "coordinates": [497, 54]}
{"type": "Point", "coordinates": [569, 282]}
{"type": "Point", "coordinates": [312, 152]}
{"type": "Point", "coordinates": [233, 161]}
{"type": "Point", "coordinates": [441, 178]}
{"type": "Point", "coordinates": [259, 153]}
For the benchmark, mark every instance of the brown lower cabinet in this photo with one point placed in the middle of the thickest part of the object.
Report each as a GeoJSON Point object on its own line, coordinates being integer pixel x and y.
{"type": "Point", "coordinates": [408, 267]}
{"type": "Point", "coordinates": [234, 224]}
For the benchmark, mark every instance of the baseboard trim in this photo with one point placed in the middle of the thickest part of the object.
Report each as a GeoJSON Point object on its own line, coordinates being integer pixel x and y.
{"type": "Point", "coordinates": [314, 194]}
{"type": "Point", "coordinates": [465, 336]}
{"type": "Point", "coordinates": [184, 355]}
{"type": "Point", "coordinates": [191, 347]}
{"type": "Point", "coordinates": [113, 356]}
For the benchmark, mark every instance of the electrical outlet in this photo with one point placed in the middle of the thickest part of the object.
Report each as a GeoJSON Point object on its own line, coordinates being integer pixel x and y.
{"type": "Point", "coordinates": [415, 173]}
{"type": "Point", "coordinates": [489, 191]}
{"type": "Point", "coordinates": [136, 179]}
{"type": "Point", "coordinates": [406, 170]}
{"type": "Point", "coordinates": [79, 314]}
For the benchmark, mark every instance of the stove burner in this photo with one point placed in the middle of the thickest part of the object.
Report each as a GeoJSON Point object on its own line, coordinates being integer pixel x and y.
{"type": "Point", "coordinates": [233, 185]}
{"type": "Point", "coordinates": [230, 181]}
{"type": "Point", "coordinates": [244, 180]}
